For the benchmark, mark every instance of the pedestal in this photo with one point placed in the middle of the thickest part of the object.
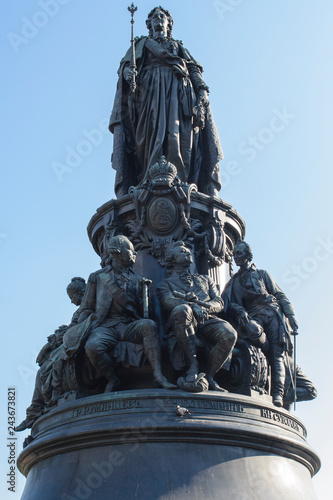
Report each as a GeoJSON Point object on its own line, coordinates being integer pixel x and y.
{"type": "Point", "coordinates": [133, 444]}
{"type": "Point", "coordinates": [223, 225]}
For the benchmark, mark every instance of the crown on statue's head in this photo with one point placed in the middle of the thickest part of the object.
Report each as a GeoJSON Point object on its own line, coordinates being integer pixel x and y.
{"type": "Point", "coordinates": [162, 172]}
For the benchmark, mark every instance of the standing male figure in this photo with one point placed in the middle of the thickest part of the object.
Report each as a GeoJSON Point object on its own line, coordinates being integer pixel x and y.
{"type": "Point", "coordinates": [114, 295]}
{"type": "Point", "coordinates": [192, 301]}
{"type": "Point", "coordinates": [252, 295]}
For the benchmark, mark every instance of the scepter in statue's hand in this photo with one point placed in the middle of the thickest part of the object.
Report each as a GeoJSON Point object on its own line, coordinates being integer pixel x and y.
{"type": "Point", "coordinates": [133, 71]}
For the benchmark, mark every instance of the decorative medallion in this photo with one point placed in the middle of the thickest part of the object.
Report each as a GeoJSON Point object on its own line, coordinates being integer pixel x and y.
{"type": "Point", "coordinates": [162, 215]}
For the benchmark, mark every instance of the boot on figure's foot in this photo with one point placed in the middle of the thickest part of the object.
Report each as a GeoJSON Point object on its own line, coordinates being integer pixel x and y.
{"type": "Point", "coordinates": [26, 424]}
{"type": "Point", "coordinates": [192, 373]}
{"type": "Point", "coordinates": [112, 385]}
{"type": "Point", "coordinates": [277, 400]}
{"type": "Point", "coordinates": [161, 381]}
{"type": "Point", "coordinates": [214, 386]}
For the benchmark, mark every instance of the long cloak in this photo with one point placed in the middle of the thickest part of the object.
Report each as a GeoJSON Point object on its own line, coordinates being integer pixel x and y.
{"type": "Point", "coordinates": [158, 119]}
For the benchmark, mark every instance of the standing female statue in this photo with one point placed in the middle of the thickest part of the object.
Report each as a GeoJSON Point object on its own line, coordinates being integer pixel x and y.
{"type": "Point", "coordinates": [168, 113]}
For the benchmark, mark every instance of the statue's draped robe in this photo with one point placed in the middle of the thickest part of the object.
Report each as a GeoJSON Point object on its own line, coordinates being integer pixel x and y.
{"type": "Point", "coordinates": [158, 119]}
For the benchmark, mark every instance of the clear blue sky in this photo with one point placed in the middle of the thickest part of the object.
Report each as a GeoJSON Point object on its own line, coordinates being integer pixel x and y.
{"type": "Point", "coordinates": [269, 68]}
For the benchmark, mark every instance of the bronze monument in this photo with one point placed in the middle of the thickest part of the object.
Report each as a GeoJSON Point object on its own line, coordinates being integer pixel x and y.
{"type": "Point", "coordinates": [175, 377]}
